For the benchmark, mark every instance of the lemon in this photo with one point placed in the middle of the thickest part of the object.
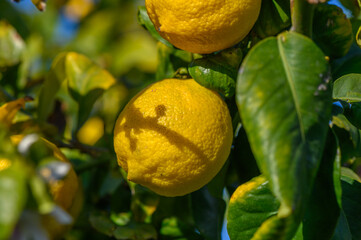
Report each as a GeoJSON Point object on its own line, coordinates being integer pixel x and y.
{"type": "Point", "coordinates": [203, 26]}
{"type": "Point", "coordinates": [173, 137]}
{"type": "Point", "coordinates": [91, 131]}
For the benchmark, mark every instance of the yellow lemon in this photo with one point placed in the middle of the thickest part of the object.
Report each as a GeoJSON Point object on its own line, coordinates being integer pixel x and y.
{"type": "Point", "coordinates": [173, 137]}
{"type": "Point", "coordinates": [203, 26]}
{"type": "Point", "coordinates": [91, 131]}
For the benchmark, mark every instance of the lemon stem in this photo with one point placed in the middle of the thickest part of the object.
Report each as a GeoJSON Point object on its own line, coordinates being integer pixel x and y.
{"type": "Point", "coordinates": [302, 16]}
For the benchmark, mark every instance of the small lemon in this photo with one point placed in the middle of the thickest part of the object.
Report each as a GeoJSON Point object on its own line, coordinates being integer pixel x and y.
{"type": "Point", "coordinates": [173, 137]}
{"type": "Point", "coordinates": [203, 26]}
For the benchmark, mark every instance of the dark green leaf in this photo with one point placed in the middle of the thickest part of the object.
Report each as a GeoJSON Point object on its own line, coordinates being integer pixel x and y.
{"type": "Point", "coordinates": [170, 60]}
{"type": "Point", "coordinates": [274, 17]}
{"type": "Point", "coordinates": [352, 5]}
{"type": "Point", "coordinates": [51, 86]}
{"type": "Point", "coordinates": [102, 223]}
{"type": "Point", "coordinates": [13, 194]}
{"type": "Point", "coordinates": [250, 205]}
{"type": "Point", "coordinates": [342, 231]}
{"type": "Point", "coordinates": [145, 21]}
{"type": "Point", "coordinates": [332, 30]}
{"type": "Point", "coordinates": [323, 211]}
{"type": "Point", "coordinates": [208, 212]}
{"type": "Point", "coordinates": [12, 45]}
{"type": "Point", "coordinates": [351, 65]}
{"type": "Point", "coordinates": [349, 137]}
{"type": "Point", "coordinates": [348, 88]}
{"type": "Point", "coordinates": [353, 113]}
{"type": "Point", "coordinates": [351, 195]}
{"type": "Point", "coordinates": [214, 73]}
{"type": "Point", "coordinates": [136, 231]}
{"type": "Point", "coordinates": [284, 99]}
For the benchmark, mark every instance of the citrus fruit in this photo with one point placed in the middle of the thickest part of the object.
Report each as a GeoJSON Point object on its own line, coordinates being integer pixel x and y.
{"type": "Point", "coordinates": [173, 137]}
{"type": "Point", "coordinates": [203, 26]}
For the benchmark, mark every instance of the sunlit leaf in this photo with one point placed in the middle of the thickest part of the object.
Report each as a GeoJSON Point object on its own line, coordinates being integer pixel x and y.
{"type": "Point", "coordinates": [348, 88]}
{"type": "Point", "coordinates": [250, 205]}
{"type": "Point", "coordinates": [214, 72]}
{"type": "Point", "coordinates": [9, 110]}
{"type": "Point", "coordinates": [284, 99]}
{"type": "Point", "coordinates": [12, 45]}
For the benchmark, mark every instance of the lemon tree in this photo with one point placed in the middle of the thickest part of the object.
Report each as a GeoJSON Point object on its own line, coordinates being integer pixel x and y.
{"type": "Point", "coordinates": [173, 119]}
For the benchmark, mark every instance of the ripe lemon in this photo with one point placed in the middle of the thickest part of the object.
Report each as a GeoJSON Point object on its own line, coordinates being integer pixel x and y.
{"type": "Point", "coordinates": [203, 26]}
{"type": "Point", "coordinates": [173, 137]}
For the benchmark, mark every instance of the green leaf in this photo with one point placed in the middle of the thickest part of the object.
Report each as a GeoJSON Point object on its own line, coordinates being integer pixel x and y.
{"type": "Point", "coordinates": [348, 88]}
{"type": "Point", "coordinates": [274, 17]}
{"type": "Point", "coordinates": [208, 212]}
{"type": "Point", "coordinates": [351, 65]}
{"type": "Point", "coordinates": [353, 113]}
{"type": "Point", "coordinates": [12, 45]}
{"type": "Point", "coordinates": [284, 99]}
{"type": "Point", "coordinates": [173, 228]}
{"type": "Point", "coordinates": [170, 60]}
{"type": "Point", "coordinates": [102, 223]}
{"type": "Point", "coordinates": [250, 205]}
{"type": "Point", "coordinates": [13, 195]}
{"type": "Point", "coordinates": [145, 21]}
{"type": "Point", "coordinates": [214, 74]}
{"type": "Point", "coordinates": [351, 195]}
{"type": "Point", "coordinates": [342, 231]}
{"type": "Point", "coordinates": [332, 30]}
{"type": "Point", "coordinates": [358, 37]}
{"type": "Point", "coordinates": [136, 231]}
{"type": "Point", "coordinates": [86, 82]}
{"type": "Point", "coordinates": [52, 84]}
{"type": "Point", "coordinates": [349, 137]}
{"type": "Point", "coordinates": [323, 210]}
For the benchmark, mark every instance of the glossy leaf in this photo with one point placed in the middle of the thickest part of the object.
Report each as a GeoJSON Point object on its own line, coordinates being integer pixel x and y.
{"type": "Point", "coordinates": [250, 205]}
{"type": "Point", "coordinates": [13, 192]}
{"type": "Point", "coordinates": [274, 17]}
{"type": "Point", "coordinates": [145, 21]}
{"type": "Point", "coordinates": [86, 82]}
{"type": "Point", "coordinates": [348, 88]}
{"type": "Point", "coordinates": [12, 45]}
{"type": "Point", "coordinates": [215, 75]}
{"type": "Point", "coordinates": [332, 30]}
{"type": "Point", "coordinates": [284, 99]}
